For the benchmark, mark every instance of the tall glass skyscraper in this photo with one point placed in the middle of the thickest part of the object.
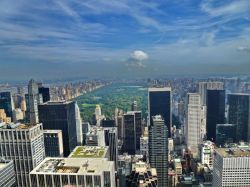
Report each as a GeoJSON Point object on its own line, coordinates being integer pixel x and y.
{"type": "Point", "coordinates": [238, 113]}
{"type": "Point", "coordinates": [132, 131]}
{"type": "Point", "coordinates": [160, 103]}
{"type": "Point", "coordinates": [60, 115]}
{"type": "Point", "coordinates": [215, 111]}
{"type": "Point", "coordinates": [158, 149]}
{"type": "Point", "coordinates": [6, 103]}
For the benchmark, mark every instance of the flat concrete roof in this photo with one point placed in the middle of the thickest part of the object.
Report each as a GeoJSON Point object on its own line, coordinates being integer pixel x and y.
{"type": "Point", "coordinates": [81, 166]}
{"type": "Point", "coordinates": [234, 152]}
{"type": "Point", "coordinates": [160, 89]}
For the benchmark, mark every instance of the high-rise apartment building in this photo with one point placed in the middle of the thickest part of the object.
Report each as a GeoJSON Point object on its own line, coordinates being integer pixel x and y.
{"type": "Point", "coordinates": [24, 144]}
{"type": "Point", "coordinates": [78, 125]}
{"type": "Point", "coordinates": [231, 167]}
{"type": "Point", "coordinates": [33, 99]}
{"type": "Point", "coordinates": [160, 103]}
{"type": "Point", "coordinates": [144, 143]}
{"type": "Point", "coordinates": [78, 172]}
{"type": "Point", "coordinates": [158, 149]}
{"type": "Point", "coordinates": [239, 114]}
{"type": "Point", "coordinates": [119, 123]}
{"type": "Point", "coordinates": [132, 131]}
{"type": "Point", "coordinates": [7, 173]}
{"type": "Point", "coordinates": [60, 116]}
{"type": "Point", "coordinates": [134, 106]}
{"type": "Point", "coordinates": [194, 122]}
{"type": "Point", "coordinates": [53, 143]}
{"type": "Point", "coordinates": [215, 111]}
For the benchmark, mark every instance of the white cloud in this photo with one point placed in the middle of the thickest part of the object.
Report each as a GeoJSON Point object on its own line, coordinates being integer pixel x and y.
{"type": "Point", "coordinates": [244, 48]}
{"type": "Point", "coordinates": [235, 7]}
{"type": "Point", "coordinates": [139, 55]}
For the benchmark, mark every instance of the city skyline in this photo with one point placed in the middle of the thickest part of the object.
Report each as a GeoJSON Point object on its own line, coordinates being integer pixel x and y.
{"type": "Point", "coordinates": [61, 39]}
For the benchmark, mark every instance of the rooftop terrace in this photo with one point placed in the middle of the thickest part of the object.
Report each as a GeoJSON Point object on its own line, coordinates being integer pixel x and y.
{"type": "Point", "coordinates": [89, 152]}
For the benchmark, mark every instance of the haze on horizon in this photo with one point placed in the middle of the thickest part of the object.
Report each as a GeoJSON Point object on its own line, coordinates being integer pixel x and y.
{"type": "Point", "coordinates": [53, 39]}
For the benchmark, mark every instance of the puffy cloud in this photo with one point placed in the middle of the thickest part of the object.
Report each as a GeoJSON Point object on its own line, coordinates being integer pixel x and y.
{"type": "Point", "coordinates": [139, 55]}
{"type": "Point", "coordinates": [137, 59]}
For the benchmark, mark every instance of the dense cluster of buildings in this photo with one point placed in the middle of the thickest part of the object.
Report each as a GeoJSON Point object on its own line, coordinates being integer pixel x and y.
{"type": "Point", "coordinates": [44, 141]}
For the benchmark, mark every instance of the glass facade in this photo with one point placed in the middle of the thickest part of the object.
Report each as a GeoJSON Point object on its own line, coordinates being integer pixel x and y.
{"type": "Point", "coordinates": [215, 111]}
{"type": "Point", "coordinates": [238, 113]}
{"type": "Point", "coordinates": [60, 116]}
{"type": "Point", "coordinates": [160, 104]}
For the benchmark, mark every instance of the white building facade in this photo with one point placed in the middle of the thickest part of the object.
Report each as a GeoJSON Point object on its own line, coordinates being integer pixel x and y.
{"type": "Point", "coordinates": [24, 144]}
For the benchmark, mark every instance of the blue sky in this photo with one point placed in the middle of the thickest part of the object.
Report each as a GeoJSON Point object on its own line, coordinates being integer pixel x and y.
{"type": "Point", "coordinates": [60, 38]}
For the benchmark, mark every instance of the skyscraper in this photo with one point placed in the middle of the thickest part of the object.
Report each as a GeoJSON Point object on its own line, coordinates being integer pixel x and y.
{"type": "Point", "coordinates": [225, 133]}
{"type": "Point", "coordinates": [62, 116]}
{"type": "Point", "coordinates": [33, 99]}
{"type": "Point", "coordinates": [24, 144]}
{"type": "Point", "coordinates": [95, 137]}
{"type": "Point", "coordinates": [215, 111]}
{"type": "Point", "coordinates": [239, 114]}
{"type": "Point", "coordinates": [133, 131]}
{"type": "Point", "coordinates": [194, 122]}
{"type": "Point", "coordinates": [134, 106]}
{"type": "Point", "coordinates": [45, 93]}
{"type": "Point", "coordinates": [158, 149]}
{"type": "Point", "coordinates": [7, 173]}
{"type": "Point", "coordinates": [111, 140]}
{"type": "Point", "coordinates": [53, 143]}
{"type": "Point", "coordinates": [78, 125]}
{"type": "Point", "coordinates": [6, 103]}
{"type": "Point", "coordinates": [204, 86]}
{"type": "Point", "coordinates": [231, 167]}
{"type": "Point", "coordinates": [160, 103]}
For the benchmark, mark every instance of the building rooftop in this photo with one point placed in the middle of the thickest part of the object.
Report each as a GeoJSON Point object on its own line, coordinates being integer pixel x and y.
{"type": "Point", "coordinates": [132, 112]}
{"type": "Point", "coordinates": [142, 167]}
{"type": "Point", "coordinates": [226, 125]}
{"type": "Point", "coordinates": [234, 152]}
{"type": "Point", "coordinates": [162, 89]}
{"type": "Point", "coordinates": [56, 103]}
{"type": "Point", "coordinates": [243, 94]}
{"type": "Point", "coordinates": [52, 131]}
{"type": "Point", "coordinates": [15, 126]}
{"type": "Point", "coordinates": [81, 166]}
{"type": "Point", "coordinates": [89, 152]}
